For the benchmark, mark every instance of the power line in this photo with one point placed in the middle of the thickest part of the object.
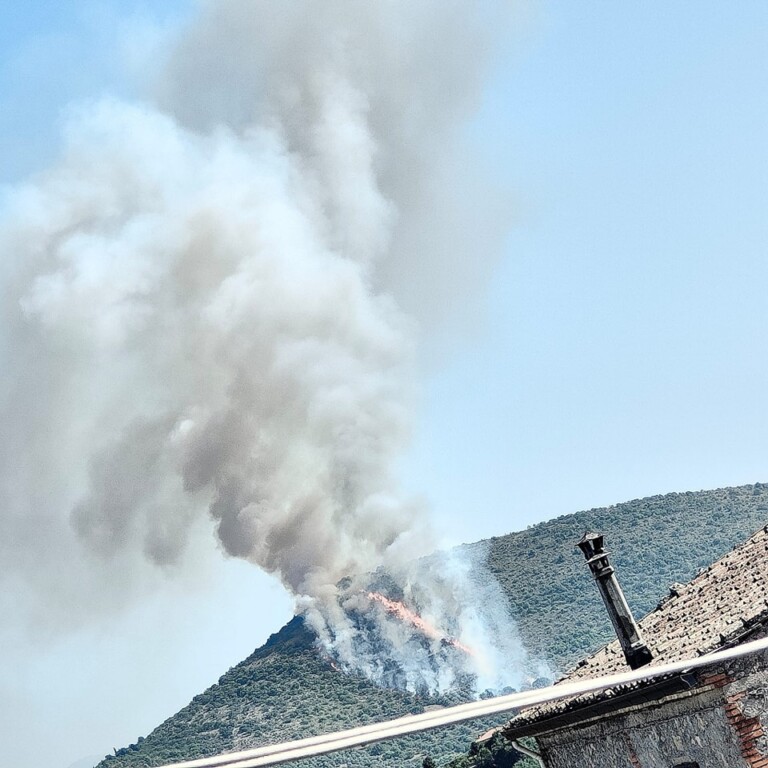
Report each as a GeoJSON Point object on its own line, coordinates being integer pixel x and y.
{"type": "Point", "coordinates": [369, 734]}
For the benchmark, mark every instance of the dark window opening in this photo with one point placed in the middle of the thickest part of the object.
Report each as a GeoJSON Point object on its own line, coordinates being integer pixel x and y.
{"type": "Point", "coordinates": [685, 765]}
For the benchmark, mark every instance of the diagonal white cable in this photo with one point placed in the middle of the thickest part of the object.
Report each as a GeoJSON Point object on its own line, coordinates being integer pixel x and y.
{"type": "Point", "coordinates": [369, 734]}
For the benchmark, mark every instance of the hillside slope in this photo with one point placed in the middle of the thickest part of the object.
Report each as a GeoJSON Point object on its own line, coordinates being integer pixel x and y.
{"type": "Point", "coordinates": [654, 542]}
{"type": "Point", "coordinates": [286, 690]}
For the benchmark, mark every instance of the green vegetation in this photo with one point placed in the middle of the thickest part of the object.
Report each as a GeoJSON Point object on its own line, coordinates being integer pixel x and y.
{"type": "Point", "coordinates": [286, 690]}
{"type": "Point", "coordinates": [495, 753]}
{"type": "Point", "coordinates": [654, 542]}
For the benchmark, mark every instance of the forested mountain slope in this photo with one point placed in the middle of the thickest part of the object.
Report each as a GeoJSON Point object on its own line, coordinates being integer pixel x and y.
{"type": "Point", "coordinates": [654, 542]}
{"type": "Point", "coordinates": [287, 690]}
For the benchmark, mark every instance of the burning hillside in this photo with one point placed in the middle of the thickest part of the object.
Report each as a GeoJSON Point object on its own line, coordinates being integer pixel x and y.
{"type": "Point", "coordinates": [437, 626]}
{"type": "Point", "coordinates": [404, 614]}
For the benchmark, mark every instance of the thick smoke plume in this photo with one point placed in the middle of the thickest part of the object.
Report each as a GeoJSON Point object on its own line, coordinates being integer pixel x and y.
{"type": "Point", "coordinates": [211, 303]}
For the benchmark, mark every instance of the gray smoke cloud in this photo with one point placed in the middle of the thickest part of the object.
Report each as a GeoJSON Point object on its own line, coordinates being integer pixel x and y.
{"type": "Point", "coordinates": [211, 302]}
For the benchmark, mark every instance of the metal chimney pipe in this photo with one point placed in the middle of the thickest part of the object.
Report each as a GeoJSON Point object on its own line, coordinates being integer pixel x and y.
{"type": "Point", "coordinates": [635, 650]}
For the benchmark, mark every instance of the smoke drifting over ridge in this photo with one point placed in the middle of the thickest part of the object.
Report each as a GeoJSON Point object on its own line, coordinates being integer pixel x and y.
{"type": "Point", "coordinates": [212, 300]}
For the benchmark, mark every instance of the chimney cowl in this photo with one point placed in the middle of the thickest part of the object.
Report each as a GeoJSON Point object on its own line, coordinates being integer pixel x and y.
{"type": "Point", "coordinates": [591, 544]}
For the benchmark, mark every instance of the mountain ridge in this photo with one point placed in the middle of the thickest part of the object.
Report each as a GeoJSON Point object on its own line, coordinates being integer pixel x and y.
{"type": "Point", "coordinates": [286, 689]}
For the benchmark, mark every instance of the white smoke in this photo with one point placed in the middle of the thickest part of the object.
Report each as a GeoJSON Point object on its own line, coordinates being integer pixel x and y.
{"type": "Point", "coordinates": [439, 625]}
{"type": "Point", "coordinates": [211, 302]}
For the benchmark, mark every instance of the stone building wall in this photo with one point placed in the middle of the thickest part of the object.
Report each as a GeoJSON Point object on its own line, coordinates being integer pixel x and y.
{"type": "Point", "coordinates": [721, 723]}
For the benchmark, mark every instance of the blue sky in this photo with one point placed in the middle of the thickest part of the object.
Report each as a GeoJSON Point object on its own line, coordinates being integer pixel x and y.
{"type": "Point", "coordinates": [52, 54]}
{"type": "Point", "coordinates": [620, 350]}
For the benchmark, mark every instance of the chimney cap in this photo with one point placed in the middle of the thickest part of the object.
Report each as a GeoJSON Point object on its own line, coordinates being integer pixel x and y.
{"type": "Point", "coordinates": [591, 544]}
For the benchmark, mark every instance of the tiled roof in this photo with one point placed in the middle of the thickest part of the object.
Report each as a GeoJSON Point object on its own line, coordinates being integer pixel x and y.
{"type": "Point", "coordinates": [722, 603]}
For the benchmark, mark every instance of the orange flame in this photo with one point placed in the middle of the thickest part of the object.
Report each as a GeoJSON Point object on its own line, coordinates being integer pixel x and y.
{"type": "Point", "coordinates": [407, 616]}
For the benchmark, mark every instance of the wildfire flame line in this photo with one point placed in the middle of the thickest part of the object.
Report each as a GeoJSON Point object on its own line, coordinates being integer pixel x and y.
{"type": "Point", "coordinates": [407, 616]}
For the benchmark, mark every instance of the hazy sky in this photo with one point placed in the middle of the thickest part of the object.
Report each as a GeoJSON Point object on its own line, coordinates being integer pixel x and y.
{"type": "Point", "coordinates": [619, 351]}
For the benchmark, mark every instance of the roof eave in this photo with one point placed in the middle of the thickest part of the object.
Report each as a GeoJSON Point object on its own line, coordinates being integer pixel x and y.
{"type": "Point", "coordinates": [653, 691]}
